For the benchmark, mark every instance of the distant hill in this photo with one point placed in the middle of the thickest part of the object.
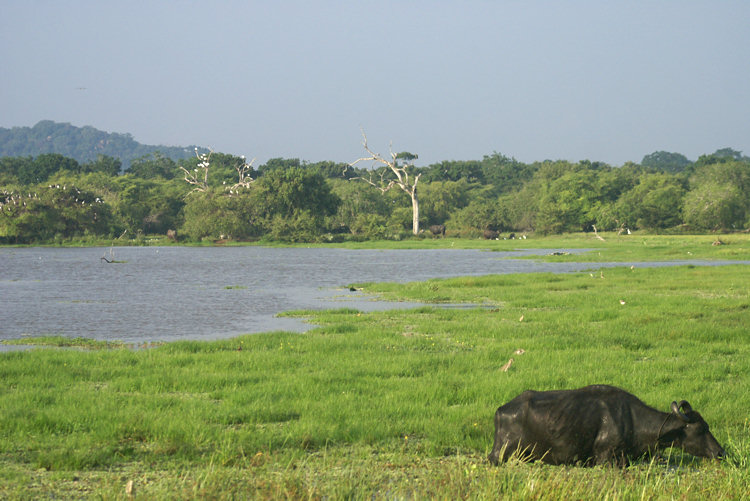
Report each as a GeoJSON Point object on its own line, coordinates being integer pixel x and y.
{"type": "Point", "coordinates": [84, 144]}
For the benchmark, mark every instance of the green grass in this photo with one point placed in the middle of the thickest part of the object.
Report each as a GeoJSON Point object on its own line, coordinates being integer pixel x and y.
{"type": "Point", "coordinates": [636, 247]}
{"type": "Point", "coordinates": [394, 404]}
{"type": "Point", "coordinates": [614, 248]}
{"type": "Point", "coordinates": [65, 342]}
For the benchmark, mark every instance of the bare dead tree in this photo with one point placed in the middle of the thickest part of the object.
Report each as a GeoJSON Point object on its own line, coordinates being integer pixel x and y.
{"type": "Point", "coordinates": [199, 176]}
{"type": "Point", "coordinates": [405, 181]}
{"type": "Point", "coordinates": [622, 228]}
{"type": "Point", "coordinates": [244, 170]}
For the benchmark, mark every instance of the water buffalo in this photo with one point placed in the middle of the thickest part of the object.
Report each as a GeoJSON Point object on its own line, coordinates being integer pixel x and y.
{"type": "Point", "coordinates": [438, 229]}
{"type": "Point", "coordinates": [595, 425]}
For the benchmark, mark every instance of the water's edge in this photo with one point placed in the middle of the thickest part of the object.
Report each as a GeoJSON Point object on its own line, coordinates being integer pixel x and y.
{"type": "Point", "coordinates": [194, 293]}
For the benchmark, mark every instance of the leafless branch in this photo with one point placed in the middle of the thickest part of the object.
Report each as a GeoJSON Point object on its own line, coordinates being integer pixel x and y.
{"type": "Point", "coordinates": [403, 180]}
{"type": "Point", "coordinates": [194, 178]}
{"type": "Point", "coordinates": [402, 174]}
{"type": "Point", "coordinates": [243, 173]}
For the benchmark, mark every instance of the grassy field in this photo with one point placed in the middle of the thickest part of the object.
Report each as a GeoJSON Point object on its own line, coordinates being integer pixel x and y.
{"type": "Point", "coordinates": [396, 404]}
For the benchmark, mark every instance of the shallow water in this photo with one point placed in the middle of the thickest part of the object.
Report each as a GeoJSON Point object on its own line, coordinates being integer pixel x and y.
{"type": "Point", "coordinates": [171, 293]}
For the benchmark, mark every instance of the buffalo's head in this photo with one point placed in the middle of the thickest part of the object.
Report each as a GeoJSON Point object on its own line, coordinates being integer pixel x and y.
{"type": "Point", "coordinates": [692, 434]}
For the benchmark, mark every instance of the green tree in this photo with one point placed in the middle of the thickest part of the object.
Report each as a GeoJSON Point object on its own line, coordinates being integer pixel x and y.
{"type": "Point", "coordinates": [47, 164]}
{"type": "Point", "coordinates": [331, 170]}
{"type": "Point", "coordinates": [37, 170]}
{"type": "Point", "coordinates": [520, 208]}
{"type": "Point", "coordinates": [610, 185]}
{"type": "Point", "coordinates": [51, 213]}
{"type": "Point", "coordinates": [654, 203]}
{"type": "Point", "coordinates": [714, 206]}
{"type": "Point", "coordinates": [505, 174]}
{"type": "Point", "coordinates": [14, 169]}
{"type": "Point", "coordinates": [278, 163]}
{"type": "Point", "coordinates": [482, 214]}
{"type": "Point", "coordinates": [722, 155]}
{"type": "Point", "coordinates": [361, 209]}
{"type": "Point", "coordinates": [719, 196]}
{"type": "Point", "coordinates": [224, 169]}
{"type": "Point", "coordinates": [150, 206]}
{"type": "Point", "coordinates": [289, 204]}
{"type": "Point", "coordinates": [286, 192]}
{"type": "Point", "coordinates": [441, 198]}
{"type": "Point", "coordinates": [370, 226]}
{"type": "Point", "coordinates": [214, 214]}
{"type": "Point", "coordinates": [154, 165]}
{"type": "Point", "coordinates": [301, 226]}
{"type": "Point", "coordinates": [454, 170]}
{"type": "Point", "coordinates": [569, 203]}
{"type": "Point", "coordinates": [734, 172]}
{"type": "Point", "coordinates": [666, 162]}
{"type": "Point", "coordinates": [108, 165]}
{"type": "Point", "coordinates": [132, 207]}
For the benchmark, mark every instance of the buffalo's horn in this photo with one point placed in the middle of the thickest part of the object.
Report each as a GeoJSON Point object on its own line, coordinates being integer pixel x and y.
{"type": "Point", "coordinates": [677, 409]}
{"type": "Point", "coordinates": [685, 406]}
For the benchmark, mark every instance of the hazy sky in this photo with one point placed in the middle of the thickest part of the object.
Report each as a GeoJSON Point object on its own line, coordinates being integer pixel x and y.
{"type": "Point", "coordinates": [448, 80]}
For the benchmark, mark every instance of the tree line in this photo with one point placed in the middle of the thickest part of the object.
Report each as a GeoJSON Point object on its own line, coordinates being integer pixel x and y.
{"type": "Point", "coordinates": [216, 196]}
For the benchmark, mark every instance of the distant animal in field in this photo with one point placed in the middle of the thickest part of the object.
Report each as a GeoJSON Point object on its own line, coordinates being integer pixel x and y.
{"type": "Point", "coordinates": [438, 229]}
{"type": "Point", "coordinates": [597, 424]}
{"type": "Point", "coordinates": [491, 234]}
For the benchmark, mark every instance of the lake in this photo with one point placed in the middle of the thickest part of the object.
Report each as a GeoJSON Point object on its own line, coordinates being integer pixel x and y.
{"type": "Point", "coordinates": [204, 293]}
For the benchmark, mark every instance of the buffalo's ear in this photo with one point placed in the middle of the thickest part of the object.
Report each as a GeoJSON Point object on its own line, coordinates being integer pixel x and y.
{"type": "Point", "coordinates": [672, 431]}
{"type": "Point", "coordinates": [672, 436]}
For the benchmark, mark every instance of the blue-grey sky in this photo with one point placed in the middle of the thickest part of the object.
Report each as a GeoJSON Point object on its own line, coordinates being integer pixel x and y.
{"type": "Point", "coordinates": [449, 80]}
